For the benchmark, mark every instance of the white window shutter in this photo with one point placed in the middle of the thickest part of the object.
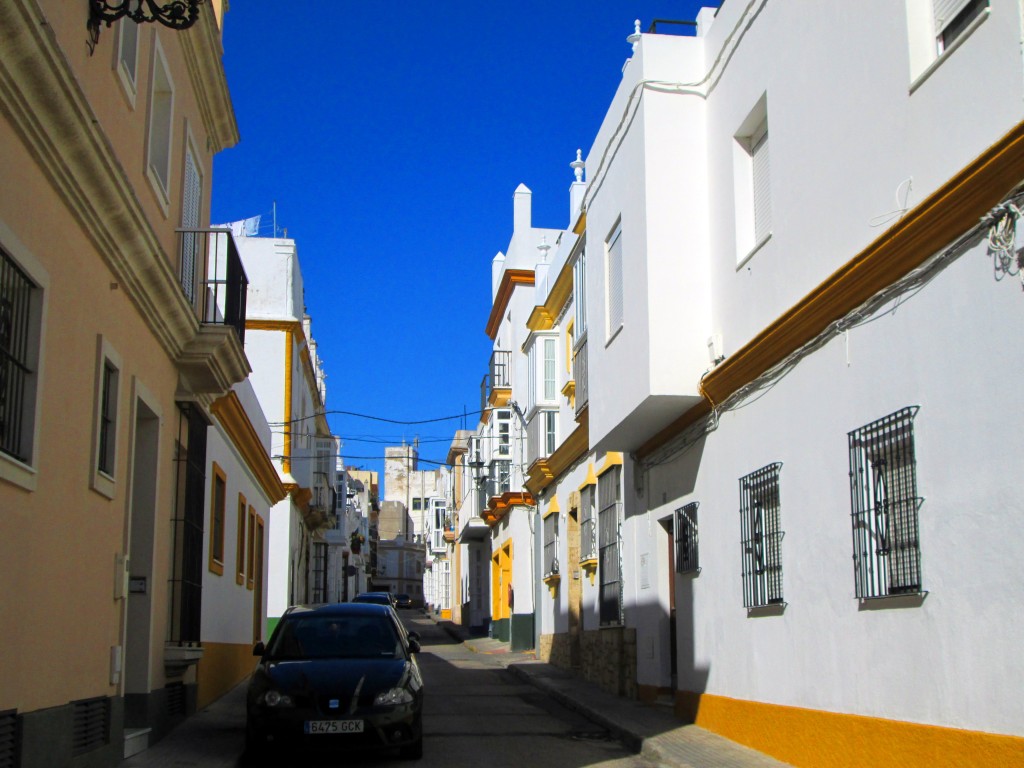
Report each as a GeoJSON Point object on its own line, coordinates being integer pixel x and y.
{"type": "Point", "coordinates": [945, 11]}
{"type": "Point", "coordinates": [761, 184]}
{"type": "Point", "coordinates": [614, 277]}
{"type": "Point", "coordinates": [192, 195]}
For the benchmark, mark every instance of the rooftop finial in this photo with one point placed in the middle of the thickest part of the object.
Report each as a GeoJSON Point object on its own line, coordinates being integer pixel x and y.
{"type": "Point", "coordinates": [544, 248]}
{"type": "Point", "coordinates": [578, 165]}
{"type": "Point", "coordinates": [635, 37]}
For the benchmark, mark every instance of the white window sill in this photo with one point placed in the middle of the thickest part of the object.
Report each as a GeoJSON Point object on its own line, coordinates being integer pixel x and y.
{"type": "Point", "coordinates": [750, 254]}
{"type": "Point", "coordinates": [103, 484]}
{"type": "Point", "coordinates": [16, 473]}
{"type": "Point", "coordinates": [613, 334]}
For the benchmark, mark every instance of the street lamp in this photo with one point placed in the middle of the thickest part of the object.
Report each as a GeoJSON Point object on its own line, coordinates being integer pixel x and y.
{"type": "Point", "coordinates": [176, 14]}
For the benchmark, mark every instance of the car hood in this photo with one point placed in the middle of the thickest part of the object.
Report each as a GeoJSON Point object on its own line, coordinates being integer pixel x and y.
{"type": "Point", "coordinates": [333, 684]}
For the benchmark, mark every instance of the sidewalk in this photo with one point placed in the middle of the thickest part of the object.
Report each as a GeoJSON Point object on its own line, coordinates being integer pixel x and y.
{"type": "Point", "coordinates": [649, 730]}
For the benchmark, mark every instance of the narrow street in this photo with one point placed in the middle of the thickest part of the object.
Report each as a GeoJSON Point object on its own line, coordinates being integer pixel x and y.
{"type": "Point", "coordinates": [476, 713]}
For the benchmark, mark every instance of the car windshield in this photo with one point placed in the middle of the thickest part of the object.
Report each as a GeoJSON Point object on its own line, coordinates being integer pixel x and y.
{"type": "Point", "coordinates": [323, 637]}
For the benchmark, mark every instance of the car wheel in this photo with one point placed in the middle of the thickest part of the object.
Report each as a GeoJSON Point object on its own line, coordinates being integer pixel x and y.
{"type": "Point", "coordinates": [412, 751]}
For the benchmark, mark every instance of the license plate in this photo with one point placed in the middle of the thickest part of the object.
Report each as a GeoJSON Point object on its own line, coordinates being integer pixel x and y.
{"type": "Point", "coordinates": [334, 726]}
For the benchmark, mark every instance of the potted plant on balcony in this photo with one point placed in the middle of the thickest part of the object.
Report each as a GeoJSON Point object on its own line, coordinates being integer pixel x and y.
{"type": "Point", "coordinates": [356, 542]}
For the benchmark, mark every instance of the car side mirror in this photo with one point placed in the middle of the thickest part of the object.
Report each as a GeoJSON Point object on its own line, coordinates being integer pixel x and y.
{"type": "Point", "coordinates": [414, 636]}
{"type": "Point", "coordinates": [414, 645]}
{"type": "Point", "coordinates": [259, 649]}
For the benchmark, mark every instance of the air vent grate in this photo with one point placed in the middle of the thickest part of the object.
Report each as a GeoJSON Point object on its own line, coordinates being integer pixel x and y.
{"type": "Point", "coordinates": [90, 724]}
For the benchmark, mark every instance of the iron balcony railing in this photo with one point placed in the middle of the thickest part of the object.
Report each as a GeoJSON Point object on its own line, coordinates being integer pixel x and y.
{"type": "Point", "coordinates": [588, 539]}
{"type": "Point", "coordinates": [499, 376]}
{"type": "Point", "coordinates": [212, 277]}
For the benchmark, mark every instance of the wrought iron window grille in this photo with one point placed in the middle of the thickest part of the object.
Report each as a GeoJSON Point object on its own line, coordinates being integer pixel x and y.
{"type": "Point", "coordinates": [761, 537]}
{"type": "Point", "coordinates": [884, 507]}
{"type": "Point", "coordinates": [686, 539]}
{"type": "Point", "coordinates": [16, 301]}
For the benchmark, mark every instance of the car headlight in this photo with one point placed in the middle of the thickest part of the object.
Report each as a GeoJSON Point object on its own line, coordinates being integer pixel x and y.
{"type": "Point", "coordinates": [277, 699]}
{"type": "Point", "coordinates": [392, 697]}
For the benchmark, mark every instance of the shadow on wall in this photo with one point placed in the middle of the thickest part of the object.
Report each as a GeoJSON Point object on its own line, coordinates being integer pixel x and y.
{"type": "Point", "coordinates": [667, 488]}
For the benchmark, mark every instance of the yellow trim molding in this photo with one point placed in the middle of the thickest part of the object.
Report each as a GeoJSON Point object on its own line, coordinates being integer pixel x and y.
{"type": "Point", "coordinates": [509, 280]}
{"type": "Point", "coordinates": [589, 567]}
{"type": "Point", "coordinates": [580, 227]}
{"type": "Point", "coordinates": [591, 478]}
{"type": "Point", "coordinates": [553, 581]}
{"type": "Point", "coordinates": [232, 416]}
{"type": "Point", "coordinates": [287, 326]}
{"type": "Point", "coordinates": [937, 221]}
{"type": "Point", "coordinates": [808, 737]}
{"type": "Point", "coordinates": [553, 508]}
{"type": "Point", "coordinates": [611, 459]}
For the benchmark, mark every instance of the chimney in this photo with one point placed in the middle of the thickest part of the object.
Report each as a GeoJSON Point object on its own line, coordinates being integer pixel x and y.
{"type": "Point", "coordinates": [521, 203]}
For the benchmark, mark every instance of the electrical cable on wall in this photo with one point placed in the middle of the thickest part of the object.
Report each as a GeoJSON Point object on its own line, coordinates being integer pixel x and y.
{"type": "Point", "coordinates": [998, 226]}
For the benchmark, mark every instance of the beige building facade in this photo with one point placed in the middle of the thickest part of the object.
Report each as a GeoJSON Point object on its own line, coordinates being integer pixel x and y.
{"type": "Point", "coordinates": [118, 333]}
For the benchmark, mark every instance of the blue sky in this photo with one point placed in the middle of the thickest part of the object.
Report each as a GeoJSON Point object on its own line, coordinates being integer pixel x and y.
{"type": "Point", "coordinates": [391, 136]}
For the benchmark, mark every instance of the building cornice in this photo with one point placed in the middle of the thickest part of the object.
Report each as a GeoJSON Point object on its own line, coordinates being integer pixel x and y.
{"type": "Point", "coordinates": [936, 222]}
{"type": "Point", "coordinates": [509, 280]}
{"type": "Point", "coordinates": [203, 52]}
{"type": "Point", "coordinates": [232, 416]}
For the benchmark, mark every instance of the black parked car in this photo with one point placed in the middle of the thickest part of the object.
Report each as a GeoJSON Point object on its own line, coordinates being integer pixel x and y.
{"type": "Point", "coordinates": [335, 678]}
{"type": "Point", "coordinates": [381, 598]}
{"type": "Point", "coordinates": [403, 601]}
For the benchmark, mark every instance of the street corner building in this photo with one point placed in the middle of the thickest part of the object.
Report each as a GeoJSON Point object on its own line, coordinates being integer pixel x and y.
{"type": "Point", "coordinates": [135, 478]}
{"type": "Point", "coordinates": [749, 424]}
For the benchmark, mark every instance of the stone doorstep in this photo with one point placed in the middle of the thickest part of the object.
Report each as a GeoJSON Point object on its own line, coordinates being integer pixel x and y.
{"type": "Point", "coordinates": [135, 740]}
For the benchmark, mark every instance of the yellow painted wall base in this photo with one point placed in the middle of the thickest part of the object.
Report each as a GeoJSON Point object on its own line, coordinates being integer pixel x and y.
{"type": "Point", "coordinates": [809, 738]}
{"type": "Point", "coordinates": [223, 666]}
{"type": "Point", "coordinates": [446, 614]}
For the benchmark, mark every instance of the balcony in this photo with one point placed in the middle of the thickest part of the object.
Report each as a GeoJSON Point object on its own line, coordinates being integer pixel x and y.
{"type": "Point", "coordinates": [214, 283]}
{"type": "Point", "coordinates": [496, 387]}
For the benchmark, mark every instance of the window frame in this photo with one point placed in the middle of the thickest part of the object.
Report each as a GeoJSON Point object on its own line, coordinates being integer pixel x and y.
{"type": "Point", "coordinates": [614, 289]}
{"type": "Point", "coordinates": [218, 512]}
{"type": "Point", "coordinates": [551, 535]}
{"type": "Point", "coordinates": [160, 127]}
{"type": "Point", "coordinates": [250, 549]}
{"type": "Point", "coordinates": [875, 532]}
{"type": "Point", "coordinates": [686, 536]}
{"type": "Point", "coordinates": [751, 159]}
{"type": "Point", "coordinates": [761, 537]}
{"type": "Point", "coordinates": [106, 418]}
{"type": "Point", "coordinates": [927, 48]}
{"type": "Point", "coordinates": [609, 522]}
{"type": "Point", "coordinates": [128, 73]}
{"type": "Point", "coordinates": [20, 468]}
{"type": "Point", "coordinates": [240, 543]}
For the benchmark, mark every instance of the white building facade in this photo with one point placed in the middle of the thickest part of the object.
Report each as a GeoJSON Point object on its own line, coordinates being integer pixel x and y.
{"type": "Point", "coordinates": [797, 354]}
{"type": "Point", "coordinates": [289, 381]}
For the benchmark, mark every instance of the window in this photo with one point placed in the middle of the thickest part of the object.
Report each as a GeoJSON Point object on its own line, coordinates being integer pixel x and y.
{"type": "Point", "coordinates": [588, 524]}
{"type": "Point", "coordinates": [884, 507]}
{"type": "Point", "coordinates": [761, 536]}
{"type": "Point", "coordinates": [503, 428]}
{"type": "Point", "coordinates": [107, 388]}
{"type": "Point", "coordinates": [752, 182]}
{"type": "Point", "coordinates": [936, 28]}
{"type": "Point", "coordinates": [613, 279]}
{"type": "Point", "coordinates": [609, 498]}
{"type": "Point", "coordinates": [551, 542]}
{"type": "Point", "coordinates": [191, 205]}
{"type": "Point", "coordinates": [550, 431]}
{"type": "Point", "coordinates": [20, 322]}
{"type": "Point", "coordinates": [549, 369]}
{"type": "Point", "coordinates": [218, 500]}
{"type": "Point", "coordinates": [108, 418]}
{"type": "Point", "coordinates": [127, 60]}
{"type": "Point", "coordinates": [250, 549]}
{"type": "Point", "coordinates": [240, 542]}
{"type": "Point", "coordinates": [686, 539]}
{"type": "Point", "coordinates": [161, 117]}
{"type": "Point", "coordinates": [953, 18]}
{"type": "Point", "coordinates": [579, 293]}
